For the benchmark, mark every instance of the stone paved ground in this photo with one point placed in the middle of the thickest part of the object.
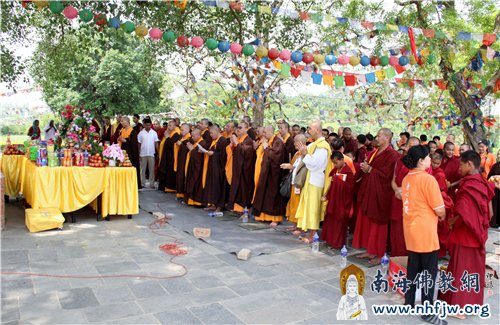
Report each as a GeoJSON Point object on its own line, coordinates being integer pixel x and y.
{"type": "Point", "coordinates": [296, 286]}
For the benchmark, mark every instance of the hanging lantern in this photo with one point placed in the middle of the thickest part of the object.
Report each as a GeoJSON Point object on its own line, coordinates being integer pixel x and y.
{"type": "Point", "coordinates": [431, 58]}
{"type": "Point", "coordinates": [425, 52]}
{"type": "Point", "coordinates": [319, 58]}
{"type": "Point", "coordinates": [297, 56]}
{"type": "Point", "coordinates": [248, 50]}
{"type": "Point", "coordinates": [85, 15]}
{"type": "Point", "coordinates": [384, 60]}
{"type": "Point", "coordinates": [343, 59]}
{"type": "Point", "coordinates": [285, 55]}
{"type": "Point", "coordinates": [330, 59]}
{"type": "Point", "coordinates": [100, 20]}
{"type": "Point", "coordinates": [365, 61]}
{"type": "Point", "coordinates": [182, 41]}
{"type": "Point", "coordinates": [273, 54]}
{"type": "Point", "coordinates": [354, 60]}
{"type": "Point", "coordinates": [141, 31]}
{"type": "Point", "coordinates": [412, 59]}
{"type": "Point", "coordinates": [235, 48]}
{"type": "Point", "coordinates": [169, 36]}
{"type": "Point", "coordinates": [197, 42]}
{"type": "Point", "coordinates": [211, 44]}
{"type": "Point", "coordinates": [403, 60]}
{"type": "Point", "coordinates": [155, 33]}
{"type": "Point", "coordinates": [374, 61]}
{"type": "Point", "coordinates": [114, 22]}
{"type": "Point", "coordinates": [70, 12]}
{"type": "Point", "coordinates": [56, 7]}
{"type": "Point", "coordinates": [40, 4]}
{"type": "Point", "coordinates": [393, 61]}
{"type": "Point", "coordinates": [129, 27]}
{"type": "Point", "coordinates": [223, 46]}
{"type": "Point", "coordinates": [261, 51]}
{"type": "Point", "coordinates": [307, 58]}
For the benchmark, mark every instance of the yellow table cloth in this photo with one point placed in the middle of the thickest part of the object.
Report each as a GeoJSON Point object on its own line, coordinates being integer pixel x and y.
{"type": "Point", "coordinates": [72, 188]}
{"type": "Point", "coordinates": [12, 167]}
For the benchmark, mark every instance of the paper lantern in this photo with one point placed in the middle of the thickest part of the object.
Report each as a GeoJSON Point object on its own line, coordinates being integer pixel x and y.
{"type": "Point", "coordinates": [431, 58]}
{"type": "Point", "coordinates": [354, 60]}
{"type": "Point", "coordinates": [211, 44]}
{"type": "Point", "coordinates": [182, 41]}
{"type": "Point", "coordinates": [375, 61]}
{"type": "Point", "coordinates": [223, 46]}
{"type": "Point", "coordinates": [384, 60]}
{"type": "Point", "coordinates": [285, 55]}
{"type": "Point", "coordinates": [412, 59]}
{"type": "Point", "coordinates": [100, 20]}
{"type": "Point", "coordinates": [403, 60]}
{"type": "Point", "coordinates": [319, 58]}
{"type": "Point", "coordinates": [40, 4]}
{"type": "Point", "coordinates": [248, 49]}
{"type": "Point", "coordinates": [169, 36]}
{"type": "Point", "coordinates": [330, 59]}
{"type": "Point", "coordinates": [114, 22]}
{"type": "Point", "coordinates": [297, 56]}
{"type": "Point", "coordinates": [129, 27]}
{"type": "Point", "coordinates": [273, 54]}
{"type": "Point", "coordinates": [425, 52]}
{"type": "Point", "coordinates": [307, 58]}
{"type": "Point", "coordinates": [156, 33]}
{"type": "Point", "coordinates": [85, 15]}
{"type": "Point", "coordinates": [141, 31]}
{"type": "Point", "coordinates": [365, 61]}
{"type": "Point", "coordinates": [393, 61]}
{"type": "Point", "coordinates": [197, 42]}
{"type": "Point", "coordinates": [261, 51]}
{"type": "Point", "coordinates": [393, 52]}
{"type": "Point", "coordinates": [343, 59]}
{"type": "Point", "coordinates": [70, 12]}
{"type": "Point", "coordinates": [56, 7]}
{"type": "Point", "coordinates": [235, 48]}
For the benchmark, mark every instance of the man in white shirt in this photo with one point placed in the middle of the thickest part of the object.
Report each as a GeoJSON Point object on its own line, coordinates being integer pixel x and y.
{"type": "Point", "coordinates": [148, 146]}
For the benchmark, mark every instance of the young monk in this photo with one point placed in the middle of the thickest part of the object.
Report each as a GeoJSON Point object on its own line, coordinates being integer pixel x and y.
{"type": "Point", "coordinates": [339, 207]}
{"type": "Point", "coordinates": [469, 231]}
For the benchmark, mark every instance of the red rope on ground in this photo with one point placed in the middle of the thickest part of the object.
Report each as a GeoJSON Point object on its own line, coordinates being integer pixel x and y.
{"type": "Point", "coordinates": [171, 248]}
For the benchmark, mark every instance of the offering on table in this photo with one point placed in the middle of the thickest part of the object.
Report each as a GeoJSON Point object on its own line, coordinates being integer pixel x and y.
{"type": "Point", "coordinates": [96, 161]}
{"type": "Point", "coordinates": [50, 146]}
{"type": "Point", "coordinates": [126, 162]}
{"type": "Point", "coordinates": [78, 160]}
{"type": "Point", "coordinates": [53, 160]}
{"type": "Point", "coordinates": [33, 153]}
{"type": "Point", "coordinates": [13, 150]}
{"type": "Point", "coordinates": [67, 159]}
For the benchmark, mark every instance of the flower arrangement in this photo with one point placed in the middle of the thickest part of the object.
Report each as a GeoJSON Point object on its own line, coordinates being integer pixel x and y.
{"type": "Point", "coordinates": [113, 152]}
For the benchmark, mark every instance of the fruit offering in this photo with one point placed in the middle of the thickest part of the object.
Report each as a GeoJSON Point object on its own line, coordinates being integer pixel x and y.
{"type": "Point", "coordinates": [78, 162]}
{"type": "Point", "coordinates": [13, 149]}
{"type": "Point", "coordinates": [494, 178]}
{"type": "Point", "coordinates": [96, 161]}
{"type": "Point", "coordinates": [126, 162]}
{"type": "Point", "coordinates": [67, 159]}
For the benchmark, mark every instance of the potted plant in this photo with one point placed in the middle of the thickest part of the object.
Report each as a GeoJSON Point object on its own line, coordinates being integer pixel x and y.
{"type": "Point", "coordinates": [112, 154]}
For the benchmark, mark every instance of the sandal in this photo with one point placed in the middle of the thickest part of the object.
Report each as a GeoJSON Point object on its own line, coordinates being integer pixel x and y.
{"type": "Point", "coordinates": [296, 232]}
{"type": "Point", "coordinates": [374, 261]}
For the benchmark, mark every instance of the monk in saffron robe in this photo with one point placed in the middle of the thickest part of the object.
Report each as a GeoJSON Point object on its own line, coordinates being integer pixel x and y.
{"type": "Point", "coordinates": [106, 131]}
{"type": "Point", "coordinates": [293, 202]}
{"type": "Point", "coordinates": [284, 134]}
{"type": "Point", "coordinates": [375, 197]}
{"type": "Point", "coordinates": [194, 169]}
{"type": "Point", "coordinates": [470, 222]}
{"type": "Point", "coordinates": [240, 171]}
{"type": "Point", "coordinates": [252, 129]}
{"type": "Point", "coordinates": [451, 167]}
{"type": "Point", "coordinates": [214, 182]}
{"type": "Point", "coordinates": [203, 125]}
{"type": "Point", "coordinates": [116, 129]}
{"type": "Point", "coordinates": [339, 207]}
{"type": "Point", "coordinates": [180, 174]}
{"type": "Point", "coordinates": [398, 246]}
{"type": "Point", "coordinates": [128, 142]}
{"type": "Point", "coordinates": [168, 158]}
{"type": "Point", "coordinates": [229, 129]}
{"type": "Point", "coordinates": [443, 227]}
{"type": "Point", "coordinates": [268, 204]}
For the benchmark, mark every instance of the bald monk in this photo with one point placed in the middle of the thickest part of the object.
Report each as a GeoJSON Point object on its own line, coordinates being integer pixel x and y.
{"type": "Point", "coordinates": [268, 204]}
{"type": "Point", "coordinates": [168, 158]}
{"type": "Point", "coordinates": [194, 169]}
{"type": "Point", "coordinates": [214, 183]}
{"type": "Point", "coordinates": [451, 167]}
{"type": "Point", "coordinates": [203, 125]}
{"type": "Point", "coordinates": [286, 137]}
{"type": "Point", "coordinates": [375, 196]}
{"type": "Point", "coordinates": [251, 128]}
{"type": "Point", "coordinates": [293, 202]}
{"type": "Point", "coordinates": [181, 160]}
{"type": "Point", "coordinates": [398, 246]}
{"type": "Point", "coordinates": [229, 129]}
{"type": "Point", "coordinates": [240, 173]}
{"type": "Point", "coordinates": [469, 231]}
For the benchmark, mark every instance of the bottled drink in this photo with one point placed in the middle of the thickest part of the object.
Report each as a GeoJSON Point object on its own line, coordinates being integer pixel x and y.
{"type": "Point", "coordinates": [315, 243]}
{"type": "Point", "coordinates": [244, 218]}
{"type": "Point", "coordinates": [384, 262]}
{"type": "Point", "coordinates": [85, 158]}
{"type": "Point", "coordinates": [215, 214]}
{"type": "Point", "coordinates": [343, 257]}
{"type": "Point", "coordinates": [8, 142]}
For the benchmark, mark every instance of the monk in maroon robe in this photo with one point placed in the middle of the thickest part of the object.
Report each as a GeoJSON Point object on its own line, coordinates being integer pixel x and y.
{"type": "Point", "coordinates": [194, 169]}
{"type": "Point", "coordinates": [241, 172]}
{"type": "Point", "coordinates": [340, 202]}
{"type": "Point", "coordinates": [362, 151]}
{"type": "Point", "coordinates": [350, 144]}
{"type": "Point", "coordinates": [286, 137]}
{"type": "Point", "coordinates": [180, 174]}
{"type": "Point", "coordinates": [451, 167]}
{"type": "Point", "coordinates": [215, 183]}
{"type": "Point", "coordinates": [472, 213]}
{"type": "Point", "coordinates": [375, 197]}
{"type": "Point", "coordinates": [268, 204]}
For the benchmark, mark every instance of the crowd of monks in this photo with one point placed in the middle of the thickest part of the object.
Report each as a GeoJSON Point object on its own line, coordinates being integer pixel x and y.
{"type": "Point", "coordinates": [241, 166]}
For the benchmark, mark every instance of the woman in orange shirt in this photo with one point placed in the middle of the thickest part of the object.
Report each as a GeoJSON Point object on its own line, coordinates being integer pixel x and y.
{"type": "Point", "coordinates": [422, 208]}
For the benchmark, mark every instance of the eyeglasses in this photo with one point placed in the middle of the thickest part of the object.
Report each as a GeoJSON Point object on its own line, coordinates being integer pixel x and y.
{"type": "Point", "coordinates": [239, 127]}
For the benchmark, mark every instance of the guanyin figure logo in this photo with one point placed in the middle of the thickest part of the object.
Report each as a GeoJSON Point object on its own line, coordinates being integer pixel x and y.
{"type": "Point", "coordinates": [352, 304]}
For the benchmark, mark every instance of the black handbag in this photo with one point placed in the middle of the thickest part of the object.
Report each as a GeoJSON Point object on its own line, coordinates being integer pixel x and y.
{"type": "Point", "coordinates": [286, 185]}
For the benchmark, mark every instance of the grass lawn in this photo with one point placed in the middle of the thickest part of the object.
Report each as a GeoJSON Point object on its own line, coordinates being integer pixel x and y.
{"type": "Point", "coordinates": [14, 139]}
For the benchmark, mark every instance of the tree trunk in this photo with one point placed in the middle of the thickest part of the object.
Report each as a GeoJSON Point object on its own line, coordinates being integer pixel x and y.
{"type": "Point", "coordinates": [258, 113]}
